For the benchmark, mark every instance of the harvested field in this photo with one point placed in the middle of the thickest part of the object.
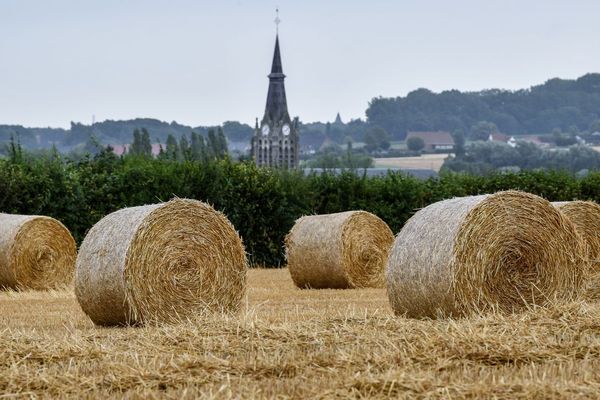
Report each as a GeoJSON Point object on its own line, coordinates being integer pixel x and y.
{"type": "Point", "coordinates": [293, 343]}
{"type": "Point", "coordinates": [426, 161]}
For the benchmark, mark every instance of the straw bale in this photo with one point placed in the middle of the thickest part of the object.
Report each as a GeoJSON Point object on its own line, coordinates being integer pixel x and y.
{"type": "Point", "coordinates": [160, 263]}
{"type": "Point", "coordinates": [503, 251]}
{"type": "Point", "coordinates": [586, 217]}
{"type": "Point", "coordinates": [342, 250]}
{"type": "Point", "coordinates": [36, 252]}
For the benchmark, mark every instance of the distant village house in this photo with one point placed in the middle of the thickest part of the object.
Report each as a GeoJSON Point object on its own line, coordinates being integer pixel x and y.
{"type": "Point", "coordinates": [440, 140]}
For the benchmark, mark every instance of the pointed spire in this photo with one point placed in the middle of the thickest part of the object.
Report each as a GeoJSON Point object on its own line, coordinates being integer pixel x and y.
{"type": "Point", "coordinates": [276, 109]}
{"type": "Point", "coordinates": [276, 67]}
{"type": "Point", "coordinates": [338, 119]}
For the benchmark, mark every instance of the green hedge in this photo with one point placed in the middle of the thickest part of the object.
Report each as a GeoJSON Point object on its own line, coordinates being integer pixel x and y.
{"type": "Point", "coordinates": [262, 204]}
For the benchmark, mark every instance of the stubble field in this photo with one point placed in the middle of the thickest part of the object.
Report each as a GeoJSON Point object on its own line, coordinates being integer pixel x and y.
{"type": "Point", "coordinates": [425, 161]}
{"type": "Point", "coordinates": [288, 343]}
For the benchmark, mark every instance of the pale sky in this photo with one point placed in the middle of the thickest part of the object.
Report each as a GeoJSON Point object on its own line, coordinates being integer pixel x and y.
{"type": "Point", "coordinates": [204, 62]}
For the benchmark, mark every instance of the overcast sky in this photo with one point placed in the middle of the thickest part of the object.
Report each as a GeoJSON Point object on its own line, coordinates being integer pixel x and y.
{"type": "Point", "coordinates": [205, 62]}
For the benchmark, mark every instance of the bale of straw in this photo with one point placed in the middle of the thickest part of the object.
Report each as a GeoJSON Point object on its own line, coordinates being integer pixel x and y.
{"type": "Point", "coordinates": [160, 263]}
{"type": "Point", "coordinates": [342, 250]}
{"type": "Point", "coordinates": [503, 251]}
{"type": "Point", "coordinates": [586, 217]}
{"type": "Point", "coordinates": [36, 252]}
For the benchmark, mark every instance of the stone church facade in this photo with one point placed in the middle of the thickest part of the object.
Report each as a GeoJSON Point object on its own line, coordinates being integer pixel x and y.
{"type": "Point", "coordinates": [275, 142]}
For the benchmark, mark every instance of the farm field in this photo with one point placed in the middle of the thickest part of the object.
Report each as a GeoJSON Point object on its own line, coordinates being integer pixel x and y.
{"type": "Point", "coordinates": [288, 343]}
{"type": "Point", "coordinates": [427, 161]}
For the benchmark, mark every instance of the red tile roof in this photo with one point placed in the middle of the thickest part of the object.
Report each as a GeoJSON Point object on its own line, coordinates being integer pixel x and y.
{"type": "Point", "coordinates": [500, 137]}
{"type": "Point", "coordinates": [120, 149]}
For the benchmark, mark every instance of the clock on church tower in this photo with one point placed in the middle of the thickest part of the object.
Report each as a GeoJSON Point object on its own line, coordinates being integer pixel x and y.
{"type": "Point", "coordinates": [275, 140]}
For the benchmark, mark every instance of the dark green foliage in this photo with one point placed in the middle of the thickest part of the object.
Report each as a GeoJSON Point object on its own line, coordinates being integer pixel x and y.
{"type": "Point", "coordinates": [484, 157]}
{"type": "Point", "coordinates": [557, 103]}
{"type": "Point", "coordinates": [415, 143]}
{"type": "Point", "coordinates": [482, 130]}
{"type": "Point", "coordinates": [172, 148]}
{"type": "Point", "coordinates": [216, 147]}
{"type": "Point", "coordinates": [334, 157]}
{"type": "Point", "coordinates": [14, 149]}
{"type": "Point", "coordinates": [261, 203]}
{"type": "Point", "coordinates": [237, 132]}
{"type": "Point", "coordinates": [136, 147]}
{"type": "Point", "coordinates": [459, 143]}
{"type": "Point", "coordinates": [221, 144]}
{"type": "Point", "coordinates": [113, 132]}
{"type": "Point", "coordinates": [198, 148]}
{"type": "Point", "coordinates": [316, 133]}
{"type": "Point", "coordinates": [146, 148]}
{"type": "Point", "coordinates": [563, 139]}
{"type": "Point", "coordinates": [184, 149]}
{"type": "Point", "coordinates": [377, 139]}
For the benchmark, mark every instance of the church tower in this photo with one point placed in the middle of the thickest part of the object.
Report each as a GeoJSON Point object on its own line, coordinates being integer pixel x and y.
{"type": "Point", "coordinates": [275, 140]}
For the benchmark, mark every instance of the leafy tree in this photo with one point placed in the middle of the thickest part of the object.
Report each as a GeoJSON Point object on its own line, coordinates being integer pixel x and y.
{"type": "Point", "coordinates": [459, 143]}
{"type": "Point", "coordinates": [172, 148]}
{"type": "Point", "coordinates": [198, 147]}
{"type": "Point", "coordinates": [573, 130]}
{"type": "Point", "coordinates": [15, 151]}
{"type": "Point", "coordinates": [217, 144]}
{"type": "Point", "coordinates": [162, 154]}
{"type": "Point", "coordinates": [376, 139]}
{"type": "Point", "coordinates": [136, 146]}
{"type": "Point", "coordinates": [327, 160]}
{"type": "Point", "coordinates": [93, 145]}
{"type": "Point", "coordinates": [184, 148]}
{"type": "Point", "coordinates": [332, 157]}
{"type": "Point", "coordinates": [141, 145]}
{"type": "Point", "coordinates": [482, 130]}
{"type": "Point", "coordinates": [594, 126]}
{"type": "Point", "coordinates": [237, 132]}
{"type": "Point", "coordinates": [349, 159]}
{"type": "Point", "coordinates": [563, 139]}
{"type": "Point", "coordinates": [213, 144]}
{"type": "Point", "coordinates": [222, 143]}
{"type": "Point", "coordinates": [415, 143]}
{"type": "Point", "coordinates": [146, 146]}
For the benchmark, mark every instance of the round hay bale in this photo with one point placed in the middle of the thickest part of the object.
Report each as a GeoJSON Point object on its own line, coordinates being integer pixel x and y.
{"type": "Point", "coordinates": [36, 252]}
{"type": "Point", "coordinates": [342, 250]}
{"type": "Point", "coordinates": [160, 263]}
{"type": "Point", "coordinates": [586, 217]}
{"type": "Point", "coordinates": [503, 251]}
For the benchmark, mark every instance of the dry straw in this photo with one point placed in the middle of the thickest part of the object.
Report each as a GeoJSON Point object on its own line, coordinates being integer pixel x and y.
{"type": "Point", "coordinates": [343, 250]}
{"type": "Point", "coordinates": [504, 251]}
{"type": "Point", "coordinates": [160, 263]}
{"type": "Point", "coordinates": [35, 252]}
{"type": "Point", "coordinates": [586, 217]}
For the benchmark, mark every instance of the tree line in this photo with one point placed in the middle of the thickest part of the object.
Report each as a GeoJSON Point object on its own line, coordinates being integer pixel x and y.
{"type": "Point", "coordinates": [195, 148]}
{"type": "Point", "coordinates": [557, 104]}
{"type": "Point", "coordinates": [485, 157]}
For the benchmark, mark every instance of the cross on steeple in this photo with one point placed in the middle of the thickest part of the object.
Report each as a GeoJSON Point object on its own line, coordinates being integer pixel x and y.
{"type": "Point", "coordinates": [277, 20]}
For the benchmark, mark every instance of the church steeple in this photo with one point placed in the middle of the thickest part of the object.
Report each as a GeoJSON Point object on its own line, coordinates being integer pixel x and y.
{"type": "Point", "coordinates": [276, 141]}
{"type": "Point", "coordinates": [276, 68]}
{"type": "Point", "coordinates": [276, 109]}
